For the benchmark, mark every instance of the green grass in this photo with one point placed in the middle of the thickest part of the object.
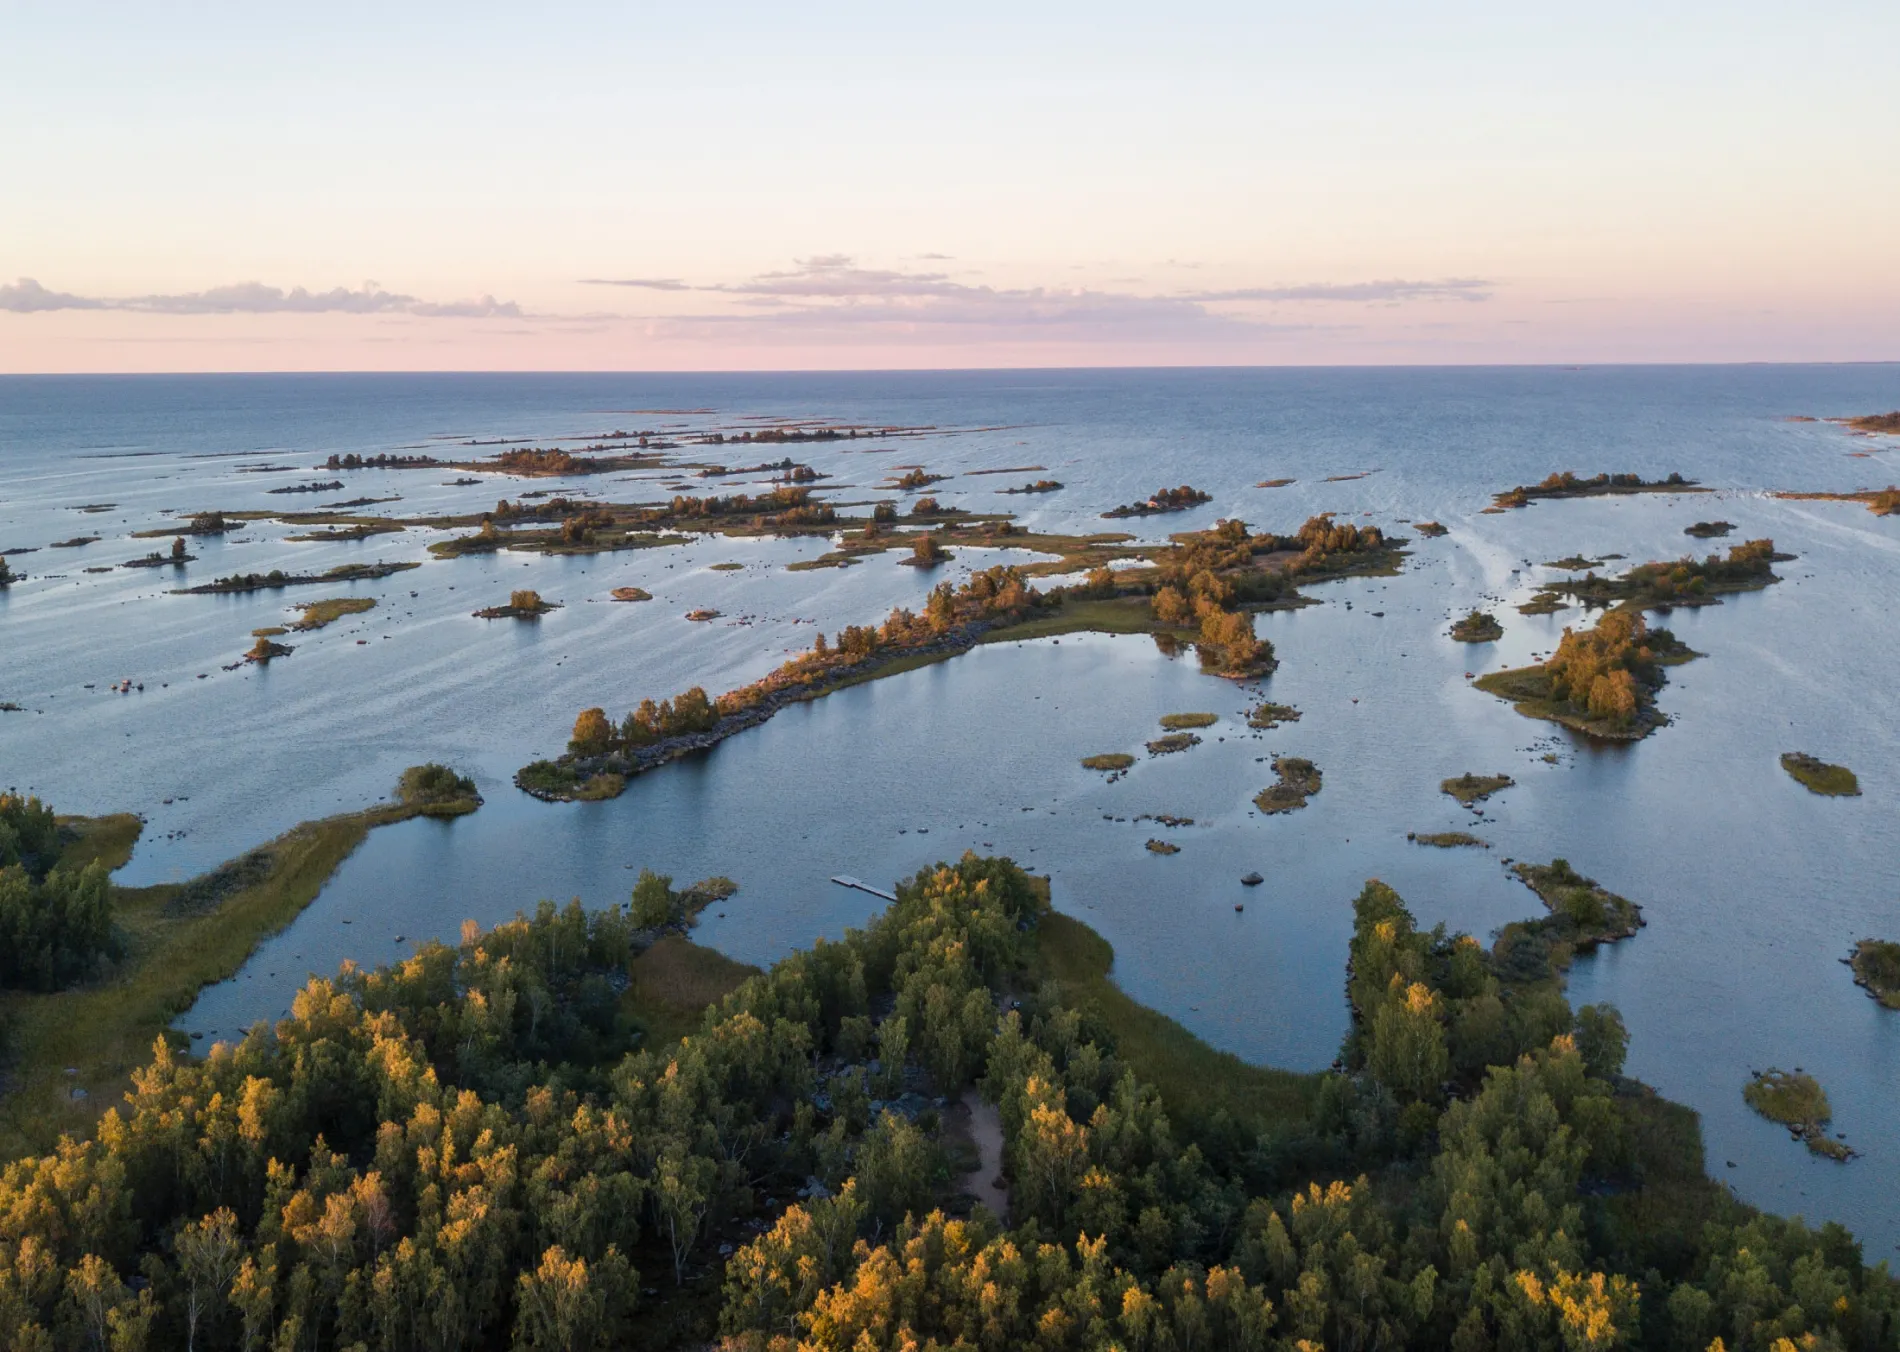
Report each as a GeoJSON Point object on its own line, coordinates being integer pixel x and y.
{"type": "Point", "coordinates": [1833, 781]}
{"type": "Point", "coordinates": [1469, 788]}
{"type": "Point", "coordinates": [1195, 1081]}
{"type": "Point", "coordinates": [1447, 840]}
{"type": "Point", "coordinates": [1299, 780]}
{"type": "Point", "coordinates": [1876, 965]}
{"type": "Point", "coordinates": [674, 981]}
{"type": "Point", "coordinates": [105, 1031]}
{"type": "Point", "coordinates": [109, 840]}
{"type": "Point", "coordinates": [1798, 1103]}
{"type": "Point", "coordinates": [727, 567]}
{"type": "Point", "coordinates": [1179, 722]}
{"type": "Point", "coordinates": [1121, 615]}
{"type": "Point", "coordinates": [1113, 760]}
{"type": "Point", "coordinates": [316, 614]}
{"type": "Point", "coordinates": [1272, 716]}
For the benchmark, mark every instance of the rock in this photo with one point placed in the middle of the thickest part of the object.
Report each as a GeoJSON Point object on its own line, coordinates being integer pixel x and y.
{"type": "Point", "coordinates": [1250, 880]}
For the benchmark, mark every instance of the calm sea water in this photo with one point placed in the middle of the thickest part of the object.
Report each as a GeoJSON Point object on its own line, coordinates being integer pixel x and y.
{"type": "Point", "coordinates": [1754, 889]}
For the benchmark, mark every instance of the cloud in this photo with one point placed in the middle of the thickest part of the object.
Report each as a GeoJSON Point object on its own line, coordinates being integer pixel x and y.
{"type": "Point", "coordinates": [832, 292]}
{"type": "Point", "coordinates": [254, 298]}
{"type": "Point", "coordinates": [1450, 288]}
{"type": "Point", "coordinates": [650, 283]}
{"type": "Point", "coordinates": [27, 296]}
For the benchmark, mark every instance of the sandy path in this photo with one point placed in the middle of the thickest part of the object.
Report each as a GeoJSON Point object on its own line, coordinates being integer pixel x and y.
{"type": "Point", "coordinates": [986, 1182]}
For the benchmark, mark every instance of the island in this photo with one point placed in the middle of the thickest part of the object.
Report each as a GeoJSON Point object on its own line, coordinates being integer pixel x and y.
{"type": "Point", "coordinates": [1797, 1101]}
{"type": "Point", "coordinates": [1164, 500]}
{"type": "Point", "coordinates": [1111, 761]}
{"type": "Point", "coordinates": [1680, 582]}
{"type": "Point", "coordinates": [1566, 484]}
{"type": "Point", "coordinates": [1590, 912]}
{"type": "Point", "coordinates": [1888, 423]}
{"type": "Point", "coordinates": [1817, 776]}
{"type": "Point", "coordinates": [1879, 501]}
{"type": "Point", "coordinates": [1267, 715]}
{"type": "Point", "coordinates": [1447, 840]}
{"type": "Point", "coordinates": [525, 604]}
{"type": "Point", "coordinates": [1183, 722]}
{"type": "Point", "coordinates": [1708, 530]}
{"type": "Point", "coordinates": [1876, 967]}
{"type": "Point", "coordinates": [1470, 789]}
{"type": "Point", "coordinates": [1039, 486]}
{"type": "Point", "coordinates": [1478, 627]}
{"type": "Point", "coordinates": [276, 578]}
{"type": "Point", "coordinates": [1601, 682]}
{"type": "Point", "coordinates": [316, 614]}
{"type": "Point", "coordinates": [1298, 780]}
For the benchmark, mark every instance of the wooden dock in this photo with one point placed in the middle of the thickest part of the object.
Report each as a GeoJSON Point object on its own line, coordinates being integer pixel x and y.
{"type": "Point", "coordinates": [845, 880]}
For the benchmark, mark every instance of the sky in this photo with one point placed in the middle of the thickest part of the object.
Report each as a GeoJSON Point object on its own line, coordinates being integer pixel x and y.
{"type": "Point", "coordinates": [409, 186]}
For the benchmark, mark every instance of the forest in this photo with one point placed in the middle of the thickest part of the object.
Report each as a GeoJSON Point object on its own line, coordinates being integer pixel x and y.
{"type": "Point", "coordinates": [55, 922]}
{"type": "Point", "coordinates": [480, 1147]}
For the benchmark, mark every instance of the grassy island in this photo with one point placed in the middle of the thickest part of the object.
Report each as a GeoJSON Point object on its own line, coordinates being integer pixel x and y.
{"type": "Point", "coordinates": [1110, 761]}
{"type": "Point", "coordinates": [1432, 529]}
{"type": "Point", "coordinates": [1183, 722]}
{"type": "Point", "coordinates": [632, 594]}
{"type": "Point", "coordinates": [1544, 603]}
{"type": "Point", "coordinates": [1682, 582]}
{"type": "Point", "coordinates": [1299, 780]}
{"type": "Point", "coordinates": [1879, 501]}
{"type": "Point", "coordinates": [1834, 781]}
{"type": "Point", "coordinates": [1172, 742]}
{"type": "Point", "coordinates": [1162, 847]}
{"type": "Point", "coordinates": [1797, 1102]}
{"type": "Point", "coordinates": [1591, 912]}
{"type": "Point", "coordinates": [525, 604]}
{"type": "Point", "coordinates": [1477, 627]}
{"type": "Point", "coordinates": [1877, 422]}
{"type": "Point", "coordinates": [1471, 789]}
{"type": "Point", "coordinates": [1602, 681]}
{"type": "Point", "coordinates": [264, 649]}
{"type": "Point", "coordinates": [1267, 716]}
{"type": "Point", "coordinates": [1708, 530]}
{"type": "Point", "coordinates": [1039, 486]}
{"type": "Point", "coordinates": [276, 578]}
{"type": "Point", "coordinates": [1575, 563]}
{"type": "Point", "coordinates": [1566, 484]}
{"type": "Point", "coordinates": [1275, 483]}
{"type": "Point", "coordinates": [1164, 500]}
{"type": "Point", "coordinates": [316, 614]}
{"type": "Point", "coordinates": [1447, 840]}
{"type": "Point", "coordinates": [1876, 967]}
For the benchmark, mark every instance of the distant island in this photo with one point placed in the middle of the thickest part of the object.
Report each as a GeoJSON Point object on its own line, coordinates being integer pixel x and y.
{"type": "Point", "coordinates": [1565, 484]}
{"type": "Point", "coordinates": [1601, 681]}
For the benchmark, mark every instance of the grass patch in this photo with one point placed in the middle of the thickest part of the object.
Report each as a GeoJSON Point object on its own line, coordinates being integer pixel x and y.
{"type": "Point", "coordinates": [1469, 788]}
{"type": "Point", "coordinates": [1798, 1103]}
{"type": "Point", "coordinates": [1834, 781]}
{"type": "Point", "coordinates": [1876, 965]}
{"type": "Point", "coordinates": [1272, 716]}
{"type": "Point", "coordinates": [1113, 760]}
{"type": "Point", "coordinates": [1163, 847]}
{"type": "Point", "coordinates": [1121, 615]}
{"type": "Point", "coordinates": [1196, 1082]}
{"type": "Point", "coordinates": [105, 1031]}
{"type": "Point", "coordinates": [674, 981]}
{"type": "Point", "coordinates": [1174, 741]}
{"type": "Point", "coordinates": [632, 594]}
{"type": "Point", "coordinates": [1179, 722]}
{"type": "Point", "coordinates": [107, 840]}
{"type": "Point", "coordinates": [1299, 780]}
{"type": "Point", "coordinates": [1447, 840]}
{"type": "Point", "coordinates": [727, 567]}
{"type": "Point", "coordinates": [1544, 603]}
{"type": "Point", "coordinates": [316, 614]}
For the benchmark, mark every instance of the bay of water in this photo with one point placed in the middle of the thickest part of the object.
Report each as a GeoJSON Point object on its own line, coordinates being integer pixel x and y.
{"type": "Point", "coordinates": [1753, 888]}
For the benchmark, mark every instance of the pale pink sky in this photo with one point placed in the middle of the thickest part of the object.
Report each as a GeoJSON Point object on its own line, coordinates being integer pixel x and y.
{"type": "Point", "coordinates": [599, 187]}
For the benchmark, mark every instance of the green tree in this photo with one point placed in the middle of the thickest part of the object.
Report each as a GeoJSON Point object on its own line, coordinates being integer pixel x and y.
{"type": "Point", "coordinates": [653, 902]}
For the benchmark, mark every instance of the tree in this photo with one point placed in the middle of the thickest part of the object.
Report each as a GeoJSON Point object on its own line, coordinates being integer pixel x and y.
{"type": "Point", "coordinates": [682, 1190]}
{"type": "Point", "coordinates": [1170, 607]}
{"type": "Point", "coordinates": [1408, 1053]}
{"type": "Point", "coordinates": [178, 549]}
{"type": "Point", "coordinates": [652, 905]}
{"type": "Point", "coordinates": [209, 1252]}
{"type": "Point", "coordinates": [593, 734]}
{"type": "Point", "coordinates": [566, 1303]}
{"type": "Point", "coordinates": [1602, 1040]}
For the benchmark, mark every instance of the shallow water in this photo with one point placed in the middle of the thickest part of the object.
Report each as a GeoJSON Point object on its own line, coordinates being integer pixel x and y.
{"type": "Point", "coordinates": [1753, 888]}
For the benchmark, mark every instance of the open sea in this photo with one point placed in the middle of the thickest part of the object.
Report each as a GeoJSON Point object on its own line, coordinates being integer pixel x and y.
{"type": "Point", "coordinates": [1754, 889]}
